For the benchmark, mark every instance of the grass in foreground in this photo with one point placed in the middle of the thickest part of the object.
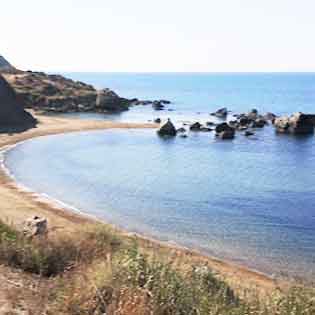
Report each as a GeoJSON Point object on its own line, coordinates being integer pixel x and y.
{"type": "Point", "coordinates": [49, 257]}
{"type": "Point", "coordinates": [112, 277]}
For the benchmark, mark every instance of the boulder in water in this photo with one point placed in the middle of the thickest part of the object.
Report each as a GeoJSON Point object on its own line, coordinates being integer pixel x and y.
{"type": "Point", "coordinates": [297, 124]}
{"type": "Point", "coordinates": [168, 129]}
{"type": "Point", "coordinates": [225, 131]}
{"type": "Point", "coordinates": [195, 126]}
{"type": "Point", "coordinates": [221, 113]}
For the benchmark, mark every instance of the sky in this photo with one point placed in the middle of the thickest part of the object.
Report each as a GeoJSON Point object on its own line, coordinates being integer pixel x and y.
{"type": "Point", "coordinates": [159, 35]}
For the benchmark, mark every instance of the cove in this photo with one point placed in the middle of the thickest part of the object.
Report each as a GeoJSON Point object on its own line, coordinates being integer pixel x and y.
{"type": "Point", "coordinates": [250, 201]}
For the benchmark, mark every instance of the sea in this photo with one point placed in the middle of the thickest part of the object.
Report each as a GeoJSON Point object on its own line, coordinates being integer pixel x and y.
{"type": "Point", "coordinates": [250, 200]}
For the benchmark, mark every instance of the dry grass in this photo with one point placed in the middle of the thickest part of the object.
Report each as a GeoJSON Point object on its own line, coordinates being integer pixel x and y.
{"type": "Point", "coordinates": [94, 273]}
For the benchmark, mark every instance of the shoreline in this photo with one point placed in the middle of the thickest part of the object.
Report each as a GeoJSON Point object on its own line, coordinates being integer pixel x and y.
{"type": "Point", "coordinates": [63, 216]}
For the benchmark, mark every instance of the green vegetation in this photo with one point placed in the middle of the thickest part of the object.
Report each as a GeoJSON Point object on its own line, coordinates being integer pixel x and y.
{"type": "Point", "coordinates": [107, 276]}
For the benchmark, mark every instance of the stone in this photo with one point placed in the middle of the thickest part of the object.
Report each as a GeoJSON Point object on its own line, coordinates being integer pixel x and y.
{"type": "Point", "coordinates": [181, 130]}
{"type": "Point", "coordinates": [270, 116]}
{"type": "Point", "coordinates": [12, 113]}
{"type": "Point", "coordinates": [168, 129]}
{"type": "Point", "coordinates": [221, 113]}
{"type": "Point", "coordinates": [108, 100]}
{"type": "Point", "coordinates": [210, 123]}
{"type": "Point", "coordinates": [205, 129]}
{"type": "Point", "coordinates": [249, 133]}
{"type": "Point", "coordinates": [195, 126]}
{"type": "Point", "coordinates": [35, 226]}
{"type": "Point", "coordinates": [225, 131]}
{"type": "Point", "coordinates": [157, 105]}
{"type": "Point", "coordinates": [297, 124]}
{"type": "Point", "coordinates": [157, 120]}
{"type": "Point", "coordinates": [258, 123]}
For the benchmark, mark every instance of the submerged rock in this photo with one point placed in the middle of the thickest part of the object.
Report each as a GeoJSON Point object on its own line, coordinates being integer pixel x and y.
{"type": "Point", "coordinates": [249, 133]}
{"type": "Point", "coordinates": [168, 129]}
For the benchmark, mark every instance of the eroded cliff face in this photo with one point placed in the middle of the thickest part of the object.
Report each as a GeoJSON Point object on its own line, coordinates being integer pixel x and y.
{"type": "Point", "coordinates": [12, 113]}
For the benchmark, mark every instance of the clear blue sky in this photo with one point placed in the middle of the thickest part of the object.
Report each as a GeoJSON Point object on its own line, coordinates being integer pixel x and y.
{"type": "Point", "coordinates": [159, 35]}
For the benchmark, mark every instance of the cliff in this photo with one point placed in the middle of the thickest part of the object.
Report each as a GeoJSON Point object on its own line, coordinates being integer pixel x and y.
{"type": "Point", "coordinates": [12, 113]}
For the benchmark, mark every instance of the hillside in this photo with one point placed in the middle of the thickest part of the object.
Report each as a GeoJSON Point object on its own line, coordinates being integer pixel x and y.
{"type": "Point", "coordinates": [12, 113]}
{"type": "Point", "coordinates": [56, 93]}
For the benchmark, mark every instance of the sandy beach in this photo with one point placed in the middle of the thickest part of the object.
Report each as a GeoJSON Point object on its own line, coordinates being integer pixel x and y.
{"type": "Point", "coordinates": [17, 205]}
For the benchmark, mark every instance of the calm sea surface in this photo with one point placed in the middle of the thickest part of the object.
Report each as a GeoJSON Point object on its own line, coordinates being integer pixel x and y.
{"type": "Point", "coordinates": [251, 201]}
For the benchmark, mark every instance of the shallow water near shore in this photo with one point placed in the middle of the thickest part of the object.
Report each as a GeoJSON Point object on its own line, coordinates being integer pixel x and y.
{"type": "Point", "coordinates": [247, 200]}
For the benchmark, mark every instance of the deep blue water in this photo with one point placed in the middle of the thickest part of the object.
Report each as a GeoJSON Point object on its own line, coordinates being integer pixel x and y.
{"type": "Point", "coordinates": [247, 200]}
{"type": "Point", "coordinates": [195, 95]}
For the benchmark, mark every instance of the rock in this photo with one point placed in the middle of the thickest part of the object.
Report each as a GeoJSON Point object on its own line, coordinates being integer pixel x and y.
{"type": "Point", "coordinates": [258, 123]}
{"type": "Point", "coordinates": [35, 226]}
{"type": "Point", "coordinates": [224, 131]}
{"type": "Point", "coordinates": [270, 116]}
{"type": "Point", "coordinates": [227, 134]}
{"type": "Point", "coordinates": [181, 130]}
{"type": "Point", "coordinates": [138, 102]}
{"type": "Point", "coordinates": [157, 105]}
{"type": "Point", "coordinates": [165, 102]}
{"type": "Point", "coordinates": [108, 100]}
{"type": "Point", "coordinates": [12, 113]}
{"type": "Point", "coordinates": [244, 120]}
{"type": "Point", "coordinates": [297, 123]}
{"type": "Point", "coordinates": [205, 129]}
{"type": "Point", "coordinates": [253, 114]}
{"type": "Point", "coordinates": [195, 126]}
{"type": "Point", "coordinates": [183, 136]}
{"type": "Point", "coordinates": [6, 67]}
{"type": "Point", "coordinates": [168, 129]}
{"type": "Point", "coordinates": [249, 133]}
{"type": "Point", "coordinates": [210, 123]}
{"type": "Point", "coordinates": [221, 113]}
{"type": "Point", "coordinates": [157, 120]}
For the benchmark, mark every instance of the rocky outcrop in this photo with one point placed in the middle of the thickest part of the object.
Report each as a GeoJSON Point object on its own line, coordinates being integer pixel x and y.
{"type": "Point", "coordinates": [12, 113]}
{"type": "Point", "coordinates": [168, 129]}
{"type": "Point", "coordinates": [56, 93]}
{"type": "Point", "coordinates": [297, 123]}
{"type": "Point", "coordinates": [108, 100]}
{"type": "Point", "coordinates": [224, 131]}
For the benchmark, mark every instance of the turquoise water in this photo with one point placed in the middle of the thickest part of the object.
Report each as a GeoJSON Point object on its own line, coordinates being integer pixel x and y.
{"type": "Point", "coordinates": [248, 200]}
